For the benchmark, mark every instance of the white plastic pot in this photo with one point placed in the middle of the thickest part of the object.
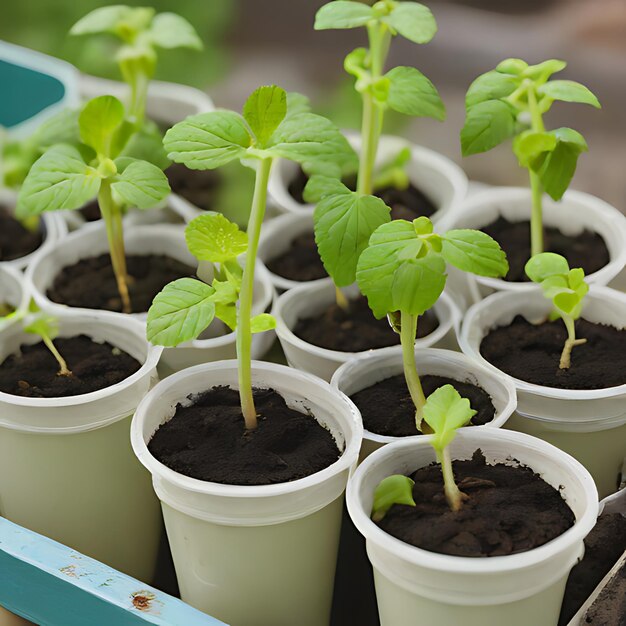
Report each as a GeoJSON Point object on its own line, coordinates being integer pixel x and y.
{"type": "Point", "coordinates": [90, 241]}
{"type": "Point", "coordinates": [415, 586]}
{"type": "Point", "coordinates": [218, 342]}
{"type": "Point", "coordinates": [439, 178]}
{"type": "Point", "coordinates": [52, 225]}
{"type": "Point", "coordinates": [67, 470]}
{"type": "Point", "coordinates": [588, 424]}
{"type": "Point", "coordinates": [366, 371]}
{"type": "Point", "coordinates": [254, 555]}
{"type": "Point", "coordinates": [308, 300]}
{"type": "Point", "coordinates": [12, 290]}
{"type": "Point", "coordinates": [577, 211]}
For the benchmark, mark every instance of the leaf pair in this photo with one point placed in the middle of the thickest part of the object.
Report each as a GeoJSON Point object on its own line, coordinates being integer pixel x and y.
{"type": "Point", "coordinates": [404, 266]}
{"type": "Point", "coordinates": [274, 124]}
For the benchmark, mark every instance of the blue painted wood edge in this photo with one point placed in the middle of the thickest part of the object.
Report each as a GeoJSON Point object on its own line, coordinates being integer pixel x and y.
{"type": "Point", "coordinates": [53, 585]}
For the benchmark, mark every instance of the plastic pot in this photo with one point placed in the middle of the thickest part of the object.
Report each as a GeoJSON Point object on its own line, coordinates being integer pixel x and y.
{"type": "Point", "coordinates": [366, 371]}
{"type": "Point", "coordinates": [577, 211]}
{"type": "Point", "coordinates": [307, 300]}
{"type": "Point", "coordinates": [52, 225]}
{"type": "Point", "coordinates": [439, 178]}
{"type": "Point", "coordinates": [67, 470]}
{"type": "Point", "coordinates": [90, 241]}
{"type": "Point", "coordinates": [218, 341]}
{"type": "Point", "coordinates": [417, 586]}
{"type": "Point", "coordinates": [12, 291]}
{"type": "Point", "coordinates": [588, 424]}
{"type": "Point", "coordinates": [254, 555]}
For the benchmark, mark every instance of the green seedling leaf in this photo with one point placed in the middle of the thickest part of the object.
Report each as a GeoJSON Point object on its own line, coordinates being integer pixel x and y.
{"type": "Point", "coordinates": [530, 146]}
{"type": "Point", "coordinates": [344, 223]}
{"type": "Point", "coordinates": [493, 85]}
{"type": "Point", "coordinates": [103, 20]}
{"type": "Point", "coordinates": [140, 184]}
{"type": "Point", "coordinates": [208, 140]}
{"type": "Point", "coordinates": [342, 14]}
{"type": "Point", "coordinates": [214, 238]}
{"type": "Point", "coordinates": [180, 312]}
{"type": "Point", "coordinates": [60, 128]}
{"type": "Point", "coordinates": [412, 20]}
{"type": "Point", "coordinates": [541, 72]}
{"type": "Point", "coordinates": [411, 93]}
{"type": "Point", "coordinates": [396, 489]}
{"type": "Point", "coordinates": [512, 66]}
{"type": "Point", "coordinates": [474, 251]}
{"type": "Point", "coordinates": [487, 124]}
{"type": "Point", "coordinates": [146, 144]}
{"type": "Point", "coordinates": [297, 103]}
{"type": "Point", "coordinates": [169, 30]}
{"type": "Point", "coordinates": [43, 325]}
{"type": "Point", "coordinates": [393, 173]}
{"type": "Point", "coordinates": [545, 265]}
{"type": "Point", "coordinates": [319, 187]}
{"type": "Point", "coordinates": [60, 179]}
{"type": "Point", "coordinates": [445, 412]}
{"type": "Point", "coordinates": [264, 110]}
{"type": "Point", "coordinates": [569, 91]}
{"type": "Point", "coordinates": [98, 121]}
{"type": "Point", "coordinates": [261, 323]}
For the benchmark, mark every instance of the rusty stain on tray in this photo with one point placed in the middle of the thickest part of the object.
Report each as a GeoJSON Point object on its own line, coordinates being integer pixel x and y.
{"type": "Point", "coordinates": [142, 600]}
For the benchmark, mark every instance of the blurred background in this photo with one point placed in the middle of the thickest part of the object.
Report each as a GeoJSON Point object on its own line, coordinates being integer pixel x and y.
{"type": "Point", "coordinates": [253, 42]}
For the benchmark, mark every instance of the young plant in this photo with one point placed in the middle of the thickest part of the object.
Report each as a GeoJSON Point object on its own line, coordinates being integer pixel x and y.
{"type": "Point", "coordinates": [402, 273]}
{"type": "Point", "coordinates": [567, 289]}
{"type": "Point", "coordinates": [510, 101]}
{"type": "Point", "coordinates": [66, 177]}
{"type": "Point", "coordinates": [47, 327]}
{"type": "Point", "coordinates": [445, 412]}
{"type": "Point", "coordinates": [273, 125]}
{"type": "Point", "coordinates": [344, 220]}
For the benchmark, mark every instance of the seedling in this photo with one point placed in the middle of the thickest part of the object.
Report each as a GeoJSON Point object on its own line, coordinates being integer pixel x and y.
{"type": "Point", "coordinates": [141, 33]}
{"type": "Point", "coordinates": [567, 289]}
{"type": "Point", "coordinates": [273, 125]}
{"type": "Point", "coordinates": [344, 220]}
{"type": "Point", "coordinates": [510, 101]}
{"type": "Point", "coordinates": [402, 273]}
{"type": "Point", "coordinates": [66, 177]}
{"type": "Point", "coordinates": [445, 412]}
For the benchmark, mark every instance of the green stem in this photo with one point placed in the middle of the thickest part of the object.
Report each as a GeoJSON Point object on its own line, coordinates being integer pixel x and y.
{"type": "Point", "coordinates": [138, 98]}
{"type": "Point", "coordinates": [244, 332]}
{"type": "Point", "coordinates": [63, 369]}
{"type": "Point", "coordinates": [454, 495]}
{"type": "Point", "coordinates": [536, 219]}
{"type": "Point", "coordinates": [112, 215]}
{"type": "Point", "coordinates": [408, 332]}
{"type": "Point", "coordinates": [571, 341]}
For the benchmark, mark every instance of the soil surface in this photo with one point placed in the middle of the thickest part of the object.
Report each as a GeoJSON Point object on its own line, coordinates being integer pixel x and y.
{"type": "Point", "coordinates": [587, 250]}
{"type": "Point", "coordinates": [508, 510]}
{"type": "Point", "coordinates": [208, 441]}
{"type": "Point", "coordinates": [355, 330]}
{"type": "Point", "coordinates": [387, 408]}
{"type": "Point", "coordinates": [91, 211]}
{"type": "Point", "coordinates": [531, 352]}
{"type": "Point", "coordinates": [300, 262]}
{"type": "Point", "coordinates": [33, 372]}
{"type": "Point", "coordinates": [16, 240]}
{"type": "Point", "coordinates": [604, 545]}
{"type": "Point", "coordinates": [405, 204]}
{"type": "Point", "coordinates": [199, 187]}
{"type": "Point", "coordinates": [90, 283]}
{"type": "Point", "coordinates": [609, 609]}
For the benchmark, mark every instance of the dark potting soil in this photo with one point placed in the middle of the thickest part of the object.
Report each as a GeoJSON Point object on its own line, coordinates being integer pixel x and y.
{"type": "Point", "coordinates": [405, 204]}
{"type": "Point", "coordinates": [508, 510]}
{"type": "Point", "coordinates": [16, 240]}
{"type": "Point", "coordinates": [387, 408]}
{"type": "Point", "coordinates": [200, 187]}
{"type": "Point", "coordinates": [531, 352]}
{"type": "Point", "coordinates": [604, 545]}
{"type": "Point", "coordinates": [587, 250]}
{"type": "Point", "coordinates": [91, 211]}
{"type": "Point", "coordinates": [91, 283]}
{"type": "Point", "coordinates": [609, 609]}
{"type": "Point", "coordinates": [300, 262]}
{"type": "Point", "coordinates": [355, 330]}
{"type": "Point", "coordinates": [208, 441]}
{"type": "Point", "coordinates": [33, 371]}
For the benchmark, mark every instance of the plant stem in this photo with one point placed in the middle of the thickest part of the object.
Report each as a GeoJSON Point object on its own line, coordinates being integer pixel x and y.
{"type": "Point", "coordinates": [536, 219]}
{"type": "Point", "coordinates": [571, 341]}
{"type": "Point", "coordinates": [112, 215]}
{"type": "Point", "coordinates": [63, 369]}
{"type": "Point", "coordinates": [244, 333]}
{"type": "Point", "coordinates": [138, 98]}
{"type": "Point", "coordinates": [454, 495]}
{"type": "Point", "coordinates": [408, 332]}
{"type": "Point", "coordinates": [342, 302]}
